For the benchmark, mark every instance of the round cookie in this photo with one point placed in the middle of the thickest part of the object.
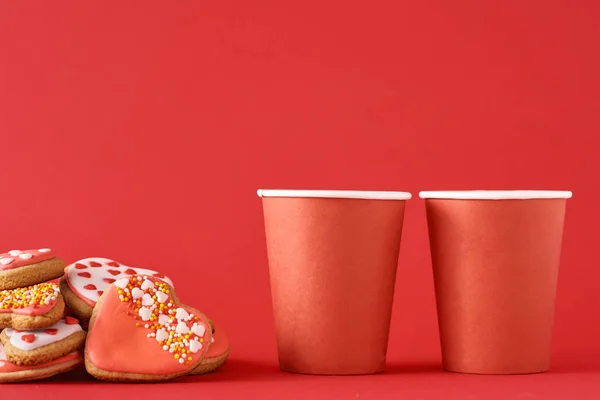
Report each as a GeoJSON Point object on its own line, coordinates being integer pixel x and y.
{"type": "Point", "coordinates": [33, 347]}
{"type": "Point", "coordinates": [86, 280]}
{"type": "Point", "coordinates": [139, 331]}
{"type": "Point", "coordinates": [28, 267]}
{"type": "Point", "coordinates": [217, 353]}
{"type": "Point", "coordinates": [20, 373]}
{"type": "Point", "coordinates": [32, 307]}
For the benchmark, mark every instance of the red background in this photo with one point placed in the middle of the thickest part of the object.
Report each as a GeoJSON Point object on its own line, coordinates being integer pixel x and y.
{"type": "Point", "coordinates": [140, 131]}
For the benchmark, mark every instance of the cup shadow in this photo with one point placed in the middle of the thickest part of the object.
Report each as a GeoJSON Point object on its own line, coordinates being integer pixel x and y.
{"type": "Point", "coordinates": [247, 370]}
{"type": "Point", "coordinates": [575, 368]}
{"type": "Point", "coordinates": [240, 370]}
{"type": "Point", "coordinates": [412, 368]}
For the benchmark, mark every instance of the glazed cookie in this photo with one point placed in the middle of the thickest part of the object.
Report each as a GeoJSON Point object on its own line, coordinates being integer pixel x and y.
{"type": "Point", "coordinates": [29, 267]}
{"type": "Point", "coordinates": [33, 307]}
{"type": "Point", "coordinates": [139, 331]}
{"type": "Point", "coordinates": [44, 345]}
{"type": "Point", "coordinates": [217, 353]}
{"type": "Point", "coordinates": [19, 373]}
{"type": "Point", "coordinates": [86, 280]}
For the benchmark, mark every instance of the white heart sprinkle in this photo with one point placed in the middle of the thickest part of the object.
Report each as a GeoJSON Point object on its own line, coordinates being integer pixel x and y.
{"type": "Point", "coordinates": [161, 335]}
{"type": "Point", "coordinates": [161, 297]}
{"type": "Point", "coordinates": [25, 256]}
{"type": "Point", "coordinates": [145, 313]}
{"type": "Point", "coordinates": [6, 261]}
{"type": "Point", "coordinates": [147, 300]}
{"type": "Point", "coordinates": [181, 314]}
{"type": "Point", "coordinates": [182, 328]}
{"type": "Point", "coordinates": [199, 330]}
{"type": "Point", "coordinates": [163, 319]}
{"type": "Point", "coordinates": [147, 284]}
{"type": "Point", "coordinates": [195, 346]}
{"type": "Point", "coordinates": [14, 253]}
{"type": "Point", "coordinates": [122, 283]}
{"type": "Point", "coordinates": [212, 339]}
{"type": "Point", "coordinates": [137, 293]}
{"type": "Point", "coordinates": [44, 250]}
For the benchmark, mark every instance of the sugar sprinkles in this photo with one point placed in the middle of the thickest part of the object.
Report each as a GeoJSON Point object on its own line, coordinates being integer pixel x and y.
{"type": "Point", "coordinates": [174, 329]}
{"type": "Point", "coordinates": [43, 294]}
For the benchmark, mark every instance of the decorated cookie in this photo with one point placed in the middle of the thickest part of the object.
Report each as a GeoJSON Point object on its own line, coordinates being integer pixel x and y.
{"type": "Point", "coordinates": [33, 347]}
{"type": "Point", "coordinates": [10, 372]}
{"type": "Point", "coordinates": [139, 331]}
{"type": "Point", "coordinates": [28, 267]}
{"type": "Point", "coordinates": [217, 353]}
{"type": "Point", "coordinates": [31, 307]}
{"type": "Point", "coordinates": [86, 280]}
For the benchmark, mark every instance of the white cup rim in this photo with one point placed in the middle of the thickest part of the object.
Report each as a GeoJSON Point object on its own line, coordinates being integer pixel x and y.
{"type": "Point", "coordinates": [496, 194]}
{"type": "Point", "coordinates": [335, 194]}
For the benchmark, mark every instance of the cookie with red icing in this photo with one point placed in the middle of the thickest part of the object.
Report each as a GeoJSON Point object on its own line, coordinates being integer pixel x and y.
{"type": "Point", "coordinates": [86, 280]}
{"type": "Point", "coordinates": [28, 267]}
{"type": "Point", "coordinates": [31, 307]}
{"type": "Point", "coordinates": [139, 331]}
{"type": "Point", "coordinates": [34, 347]}
{"type": "Point", "coordinates": [217, 353]}
{"type": "Point", "coordinates": [10, 372]}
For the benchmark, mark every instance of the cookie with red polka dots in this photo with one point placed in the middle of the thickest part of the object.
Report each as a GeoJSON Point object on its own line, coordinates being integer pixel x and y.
{"type": "Point", "coordinates": [86, 280]}
{"type": "Point", "coordinates": [28, 267]}
{"type": "Point", "coordinates": [217, 353]}
{"type": "Point", "coordinates": [40, 346]}
{"type": "Point", "coordinates": [32, 307]}
{"type": "Point", "coordinates": [10, 372]}
{"type": "Point", "coordinates": [139, 331]}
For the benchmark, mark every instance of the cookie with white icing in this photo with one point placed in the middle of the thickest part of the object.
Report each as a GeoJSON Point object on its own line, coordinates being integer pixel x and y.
{"type": "Point", "coordinates": [32, 307]}
{"type": "Point", "coordinates": [10, 372]}
{"type": "Point", "coordinates": [19, 268]}
{"type": "Point", "coordinates": [139, 331]}
{"type": "Point", "coordinates": [33, 347]}
{"type": "Point", "coordinates": [86, 280]}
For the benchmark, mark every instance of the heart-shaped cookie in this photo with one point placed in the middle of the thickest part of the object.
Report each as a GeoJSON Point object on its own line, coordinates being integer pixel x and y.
{"type": "Point", "coordinates": [10, 372]}
{"type": "Point", "coordinates": [216, 355]}
{"type": "Point", "coordinates": [86, 280]}
{"type": "Point", "coordinates": [31, 307]}
{"type": "Point", "coordinates": [139, 331]}
{"type": "Point", "coordinates": [28, 267]}
{"type": "Point", "coordinates": [32, 347]}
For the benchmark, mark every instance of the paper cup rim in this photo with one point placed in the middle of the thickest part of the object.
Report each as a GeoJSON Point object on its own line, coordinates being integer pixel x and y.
{"type": "Point", "coordinates": [496, 194]}
{"type": "Point", "coordinates": [335, 194]}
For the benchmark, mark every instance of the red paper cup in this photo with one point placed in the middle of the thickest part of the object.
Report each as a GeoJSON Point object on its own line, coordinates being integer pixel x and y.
{"type": "Point", "coordinates": [495, 257]}
{"type": "Point", "coordinates": [333, 257]}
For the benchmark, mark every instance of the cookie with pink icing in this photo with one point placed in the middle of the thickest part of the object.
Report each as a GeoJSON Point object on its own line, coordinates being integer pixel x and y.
{"type": "Point", "coordinates": [86, 280]}
{"type": "Point", "coordinates": [33, 347]}
{"type": "Point", "coordinates": [32, 307]}
{"type": "Point", "coordinates": [217, 353]}
{"type": "Point", "coordinates": [10, 372]}
{"type": "Point", "coordinates": [140, 331]}
{"type": "Point", "coordinates": [20, 268]}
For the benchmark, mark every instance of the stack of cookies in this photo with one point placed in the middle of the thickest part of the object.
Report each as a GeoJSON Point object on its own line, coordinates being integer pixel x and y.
{"type": "Point", "coordinates": [122, 323]}
{"type": "Point", "coordinates": [38, 340]}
